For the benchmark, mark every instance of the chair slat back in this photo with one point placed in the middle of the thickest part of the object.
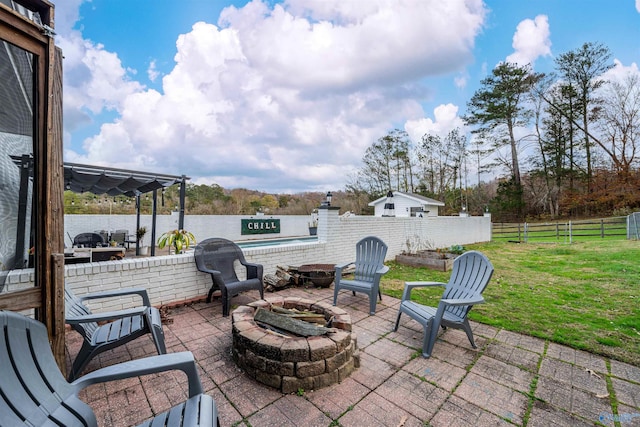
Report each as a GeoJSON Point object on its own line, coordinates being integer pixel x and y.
{"type": "Point", "coordinates": [33, 390]}
{"type": "Point", "coordinates": [73, 307]}
{"type": "Point", "coordinates": [221, 255]}
{"type": "Point", "coordinates": [119, 236]}
{"type": "Point", "coordinates": [370, 254]}
{"type": "Point", "coordinates": [469, 277]}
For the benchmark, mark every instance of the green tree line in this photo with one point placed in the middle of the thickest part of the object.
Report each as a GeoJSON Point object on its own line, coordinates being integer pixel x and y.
{"type": "Point", "coordinates": [212, 199]}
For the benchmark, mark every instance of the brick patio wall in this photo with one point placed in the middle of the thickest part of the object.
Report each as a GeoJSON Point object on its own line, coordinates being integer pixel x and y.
{"type": "Point", "coordinates": [202, 226]}
{"type": "Point", "coordinates": [174, 278]}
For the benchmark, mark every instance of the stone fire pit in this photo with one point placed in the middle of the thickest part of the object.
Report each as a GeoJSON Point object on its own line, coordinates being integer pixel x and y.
{"type": "Point", "coordinates": [292, 363]}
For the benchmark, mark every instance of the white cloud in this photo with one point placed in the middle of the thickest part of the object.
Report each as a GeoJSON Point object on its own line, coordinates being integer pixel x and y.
{"type": "Point", "coordinates": [278, 98]}
{"type": "Point", "coordinates": [531, 41]}
{"type": "Point", "coordinates": [461, 81]}
{"type": "Point", "coordinates": [638, 5]}
{"type": "Point", "coordinates": [619, 73]}
{"type": "Point", "coordinates": [445, 120]}
{"type": "Point", "coordinates": [152, 71]}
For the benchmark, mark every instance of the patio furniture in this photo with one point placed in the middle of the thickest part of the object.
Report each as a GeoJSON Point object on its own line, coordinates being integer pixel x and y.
{"type": "Point", "coordinates": [469, 277]}
{"type": "Point", "coordinates": [129, 239]}
{"type": "Point", "coordinates": [217, 257]}
{"type": "Point", "coordinates": [369, 268]}
{"type": "Point", "coordinates": [35, 393]}
{"type": "Point", "coordinates": [104, 234]}
{"type": "Point", "coordinates": [120, 237]}
{"type": "Point", "coordinates": [88, 240]}
{"type": "Point", "coordinates": [122, 326]}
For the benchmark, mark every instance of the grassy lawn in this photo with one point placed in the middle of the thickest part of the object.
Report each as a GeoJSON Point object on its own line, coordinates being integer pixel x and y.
{"type": "Point", "coordinates": [585, 295]}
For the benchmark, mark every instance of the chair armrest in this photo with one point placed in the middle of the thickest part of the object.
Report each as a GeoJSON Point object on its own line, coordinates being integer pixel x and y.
{"type": "Point", "coordinates": [409, 286]}
{"type": "Point", "coordinates": [216, 277]}
{"type": "Point", "coordinates": [463, 301]}
{"type": "Point", "coordinates": [340, 267]}
{"type": "Point", "coordinates": [182, 361]}
{"type": "Point", "coordinates": [453, 302]}
{"type": "Point", "coordinates": [344, 265]}
{"type": "Point", "coordinates": [111, 315]}
{"type": "Point", "coordinates": [118, 293]}
{"type": "Point", "coordinates": [253, 270]}
{"type": "Point", "coordinates": [250, 264]}
{"type": "Point", "coordinates": [382, 270]}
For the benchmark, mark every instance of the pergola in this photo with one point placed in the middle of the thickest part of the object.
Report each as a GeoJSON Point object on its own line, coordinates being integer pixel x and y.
{"type": "Point", "coordinates": [116, 182]}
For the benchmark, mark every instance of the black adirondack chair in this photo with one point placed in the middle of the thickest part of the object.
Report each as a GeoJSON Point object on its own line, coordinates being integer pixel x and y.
{"type": "Point", "coordinates": [216, 256]}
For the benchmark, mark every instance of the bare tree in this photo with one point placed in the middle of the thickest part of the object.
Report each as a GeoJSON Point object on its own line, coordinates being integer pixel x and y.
{"type": "Point", "coordinates": [619, 123]}
{"type": "Point", "coordinates": [387, 165]}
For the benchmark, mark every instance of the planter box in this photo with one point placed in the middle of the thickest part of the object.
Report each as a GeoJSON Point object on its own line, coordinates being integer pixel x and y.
{"type": "Point", "coordinates": [419, 260]}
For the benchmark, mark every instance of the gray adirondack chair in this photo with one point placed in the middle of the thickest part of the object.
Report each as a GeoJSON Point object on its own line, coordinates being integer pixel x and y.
{"type": "Point", "coordinates": [122, 326]}
{"type": "Point", "coordinates": [35, 393]}
{"type": "Point", "coordinates": [217, 257]}
{"type": "Point", "coordinates": [469, 277]}
{"type": "Point", "coordinates": [369, 268]}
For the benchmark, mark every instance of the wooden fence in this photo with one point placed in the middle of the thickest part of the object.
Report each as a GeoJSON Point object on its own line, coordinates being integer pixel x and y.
{"type": "Point", "coordinates": [615, 228]}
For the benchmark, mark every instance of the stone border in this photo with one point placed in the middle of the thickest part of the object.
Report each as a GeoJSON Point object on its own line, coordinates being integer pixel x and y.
{"type": "Point", "coordinates": [290, 364]}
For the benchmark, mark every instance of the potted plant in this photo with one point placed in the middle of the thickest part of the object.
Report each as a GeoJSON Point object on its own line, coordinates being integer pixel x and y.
{"type": "Point", "coordinates": [140, 232]}
{"type": "Point", "coordinates": [313, 227]}
{"type": "Point", "coordinates": [181, 240]}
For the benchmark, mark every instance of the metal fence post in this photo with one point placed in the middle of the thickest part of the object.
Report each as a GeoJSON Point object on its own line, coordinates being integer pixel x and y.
{"type": "Point", "coordinates": [570, 233]}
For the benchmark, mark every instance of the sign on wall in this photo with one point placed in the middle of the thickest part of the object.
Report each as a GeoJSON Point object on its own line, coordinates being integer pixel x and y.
{"type": "Point", "coordinates": [260, 226]}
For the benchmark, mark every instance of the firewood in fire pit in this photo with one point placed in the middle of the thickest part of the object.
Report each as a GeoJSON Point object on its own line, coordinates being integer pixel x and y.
{"type": "Point", "coordinates": [289, 324]}
{"type": "Point", "coordinates": [307, 316]}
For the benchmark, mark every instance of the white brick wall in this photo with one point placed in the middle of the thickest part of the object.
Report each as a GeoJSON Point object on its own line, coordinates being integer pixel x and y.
{"type": "Point", "coordinates": [202, 226]}
{"type": "Point", "coordinates": [174, 278]}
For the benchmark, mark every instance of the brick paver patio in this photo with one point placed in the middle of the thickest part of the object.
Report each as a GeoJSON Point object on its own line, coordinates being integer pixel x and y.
{"type": "Point", "coordinates": [510, 379]}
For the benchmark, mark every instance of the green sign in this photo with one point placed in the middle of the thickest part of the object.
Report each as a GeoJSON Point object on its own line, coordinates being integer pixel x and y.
{"type": "Point", "coordinates": [260, 226]}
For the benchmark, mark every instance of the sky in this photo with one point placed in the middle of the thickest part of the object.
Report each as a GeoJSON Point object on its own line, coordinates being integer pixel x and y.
{"type": "Point", "coordinates": [286, 96]}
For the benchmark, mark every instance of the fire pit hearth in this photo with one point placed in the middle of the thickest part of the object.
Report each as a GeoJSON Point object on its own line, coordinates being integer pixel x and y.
{"type": "Point", "coordinates": [289, 362]}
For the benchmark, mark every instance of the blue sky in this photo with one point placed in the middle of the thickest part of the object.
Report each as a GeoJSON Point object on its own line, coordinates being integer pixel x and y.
{"type": "Point", "coordinates": [287, 96]}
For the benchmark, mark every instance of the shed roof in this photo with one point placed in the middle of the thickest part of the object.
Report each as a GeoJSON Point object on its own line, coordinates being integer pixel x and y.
{"type": "Point", "coordinates": [412, 196]}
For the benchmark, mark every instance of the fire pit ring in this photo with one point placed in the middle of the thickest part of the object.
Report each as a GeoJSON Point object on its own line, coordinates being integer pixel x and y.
{"type": "Point", "coordinates": [321, 275]}
{"type": "Point", "coordinates": [292, 363]}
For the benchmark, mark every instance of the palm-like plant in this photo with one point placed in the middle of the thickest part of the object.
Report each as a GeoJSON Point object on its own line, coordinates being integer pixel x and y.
{"type": "Point", "coordinates": [179, 239]}
{"type": "Point", "coordinates": [140, 232]}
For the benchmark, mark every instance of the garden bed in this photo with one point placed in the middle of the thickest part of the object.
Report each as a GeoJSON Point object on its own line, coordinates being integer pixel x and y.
{"type": "Point", "coordinates": [435, 260]}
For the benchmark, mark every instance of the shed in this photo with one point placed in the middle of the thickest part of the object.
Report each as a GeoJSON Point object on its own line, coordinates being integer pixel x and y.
{"type": "Point", "coordinates": [408, 204]}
